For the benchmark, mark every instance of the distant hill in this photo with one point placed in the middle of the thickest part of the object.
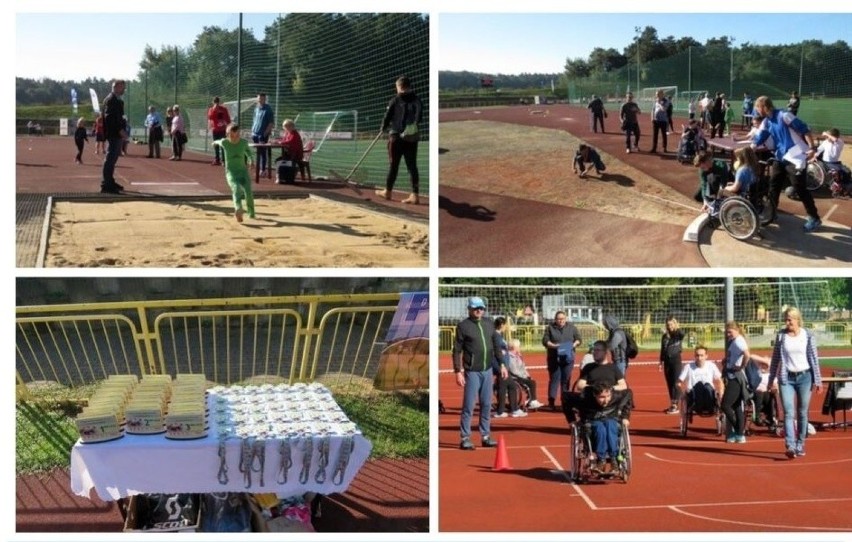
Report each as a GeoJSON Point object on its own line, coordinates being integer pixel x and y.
{"type": "Point", "coordinates": [466, 80]}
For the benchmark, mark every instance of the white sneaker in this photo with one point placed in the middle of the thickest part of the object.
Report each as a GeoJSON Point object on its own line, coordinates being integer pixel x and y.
{"type": "Point", "coordinates": [518, 413]}
{"type": "Point", "coordinates": [534, 404]}
{"type": "Point", "coordinates": [628, 151]}
{"type": "Point", "coordinates": [501, 415]}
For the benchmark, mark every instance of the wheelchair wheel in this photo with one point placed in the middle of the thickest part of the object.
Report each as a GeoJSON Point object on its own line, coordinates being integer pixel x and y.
{"type": "Point", "coordinates": [738, 218]}
{"type": "Point", "coordinates": [815, 176]}
{"type": "Point", "coordinates": [627, 452]}
{"type": "Point", "coordinates": [576, 454]}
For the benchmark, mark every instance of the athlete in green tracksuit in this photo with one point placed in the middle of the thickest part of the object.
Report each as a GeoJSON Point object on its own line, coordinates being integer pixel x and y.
{"type": "Point", "coordinates": [237, 155]}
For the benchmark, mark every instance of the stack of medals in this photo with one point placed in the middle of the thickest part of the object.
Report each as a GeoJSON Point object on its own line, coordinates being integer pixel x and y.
{"type": "Point", "coordinates": [103, 418]}
{"type": "Point", "coordinates": [187, 417]}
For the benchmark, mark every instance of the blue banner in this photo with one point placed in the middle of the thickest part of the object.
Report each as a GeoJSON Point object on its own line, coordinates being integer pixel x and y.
{"type": "Point", "coordinates": [411, 319]}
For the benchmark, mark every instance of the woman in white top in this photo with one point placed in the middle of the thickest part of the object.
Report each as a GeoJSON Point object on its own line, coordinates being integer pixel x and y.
{"type": "Point", "coordinates": [795, 365]}
{"type": "Point", "coordinates": [735, 383]}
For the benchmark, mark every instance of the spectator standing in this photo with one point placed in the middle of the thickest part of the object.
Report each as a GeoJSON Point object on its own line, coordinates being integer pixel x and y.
{"type": "Point", "coordinates": [80, 139]}
{"type": "Point", "coordinates": [597, 113]}
{"type": "Point", "coordinates": [218, 120]}
{"type": "Point", "coordinates": [617, 342]}
{"type": "Point", "coordinates": [561, 337]}
{"type": "Point", "coordinates": [671, 348]}
{"type": "Point", "coordinates": [264, 121]}
{"type": "Point", "coordinates": [170, 115]}
{"type": "Point", "coordinates": [178, 131]}
{"type": "Point", "coordinates": [794, 146]}
{"type": "Point", "coordinates": [114, 133]}
{"type": "Point", "coordinates": [154, 126]}
{"type": "Point", "coordinates": [475, 346]}
{"type": "Point", "coordinates": [402, 120]}
{"type": "Point", "coordinates": [795, 372]}
{"type": "Point", "coordinates": [660, 121]}
{"type": "Point", "coordinates": [736, 386]}
{"type": "Point", "coordinates": [630, 123]}
{"type": "Point", "coordinates": [100, 138]}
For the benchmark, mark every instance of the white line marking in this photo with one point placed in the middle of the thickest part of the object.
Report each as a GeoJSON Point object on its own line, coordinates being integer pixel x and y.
{"type": "Point", "coordinates": [830, 212]}
{"type": "Point", "coordinates": [725, 503]}
{"type": "Point", "coordinates": [579, 491]}
{"type": "Point", "coordinates": [155, 183]}
{"type": "Point", "coordinates": [764, 525]}
{"type": "Point", "coordinates": [723, 464]}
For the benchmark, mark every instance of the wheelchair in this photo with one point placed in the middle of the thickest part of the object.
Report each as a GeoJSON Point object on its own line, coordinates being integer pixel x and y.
{"type": "Point", "coordinates": [688, 413]}
{"type": "Point", "coordinates": [582, 449]}
{"type": "Point", "coordinates": [742, 216]}
{"type": "Point", "coordinates": [819, 175]}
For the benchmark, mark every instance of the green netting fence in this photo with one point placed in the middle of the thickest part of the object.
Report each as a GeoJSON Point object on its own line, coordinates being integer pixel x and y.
{"type": "Point", "coordinates": [333, 73]}
{"type": "Point", "coordinates": [821, 73]}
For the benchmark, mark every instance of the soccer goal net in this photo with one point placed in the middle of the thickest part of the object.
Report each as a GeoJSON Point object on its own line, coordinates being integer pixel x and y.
{"type": "Point", "coordinates": [649, 95]}
{"type": "Point", "coordinates": [338, 144]}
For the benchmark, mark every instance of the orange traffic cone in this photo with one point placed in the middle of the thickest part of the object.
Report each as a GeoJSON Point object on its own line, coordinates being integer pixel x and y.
{"type": "Point", "coordinates": [501, 461]}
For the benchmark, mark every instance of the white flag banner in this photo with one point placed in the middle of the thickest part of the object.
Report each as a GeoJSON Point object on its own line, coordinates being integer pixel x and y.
{"type": "Point", "coordinates": [95, 105]}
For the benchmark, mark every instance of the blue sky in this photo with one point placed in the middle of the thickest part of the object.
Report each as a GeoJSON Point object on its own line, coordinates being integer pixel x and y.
{"type": "Point", "coordinates": [73, 46]}
{"type": "Point", "coordinates": [512, 43]}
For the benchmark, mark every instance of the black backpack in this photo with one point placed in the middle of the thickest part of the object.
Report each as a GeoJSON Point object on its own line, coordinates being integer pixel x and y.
{"type": "Point", "coordinates": [632, 349]}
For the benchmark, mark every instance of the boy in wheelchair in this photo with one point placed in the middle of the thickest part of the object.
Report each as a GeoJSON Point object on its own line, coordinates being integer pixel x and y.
{"type": "Point", "coordinates": [701, 384]}
{"type": "Point", "coordinates": [602, 413]}
{"type": "Point", "coordinates": [828, 156]}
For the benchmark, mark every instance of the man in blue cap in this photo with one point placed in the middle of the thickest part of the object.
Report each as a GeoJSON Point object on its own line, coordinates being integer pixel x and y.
{"type": "Point", "coordinates": [476, 344]}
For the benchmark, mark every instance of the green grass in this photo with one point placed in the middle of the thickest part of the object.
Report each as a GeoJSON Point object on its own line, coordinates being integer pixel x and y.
{"type": "Point", "coordinates": [840, 363]}
{"type": "Point", "coordinates": [397, 423]}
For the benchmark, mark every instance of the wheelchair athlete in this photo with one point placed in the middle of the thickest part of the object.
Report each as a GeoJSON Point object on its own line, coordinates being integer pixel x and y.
{"type": "Point", "coordinates": [701, 385]}
{"type": "Point", "coordinates": [603, 410]}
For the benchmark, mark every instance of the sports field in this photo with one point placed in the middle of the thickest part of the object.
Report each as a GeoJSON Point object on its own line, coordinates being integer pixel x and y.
{"type": "Point", "coordinates": [506, 174]}
{"type": "Point", "coordinates": [694, 484]}
{"type": "Point", "coordinates": [180, 214]}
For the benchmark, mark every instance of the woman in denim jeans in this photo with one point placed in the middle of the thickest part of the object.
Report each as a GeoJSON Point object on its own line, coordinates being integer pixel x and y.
{"type": "Point", "coordinates": [795, 364]}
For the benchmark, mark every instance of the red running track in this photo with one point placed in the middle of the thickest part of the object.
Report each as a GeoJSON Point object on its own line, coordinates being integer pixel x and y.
{"type": "Point", "coordinates": [698, 483]}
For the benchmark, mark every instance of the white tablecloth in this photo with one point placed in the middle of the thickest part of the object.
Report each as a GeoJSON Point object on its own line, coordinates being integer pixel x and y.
{"type": "Point", "coordinates": [137, 464]}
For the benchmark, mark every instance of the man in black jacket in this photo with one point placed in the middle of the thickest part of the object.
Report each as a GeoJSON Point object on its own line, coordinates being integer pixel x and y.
{"type": "Point", "coordinates": [560, 339]}
{"type": "Point", "coordinates": [114, 132]}
{"type": "Point", "coordinates": [596, 107]}
{"type": "Point", "coordinates": [402, 122]}
{"type": "Point", "coordinates": [476, 345]}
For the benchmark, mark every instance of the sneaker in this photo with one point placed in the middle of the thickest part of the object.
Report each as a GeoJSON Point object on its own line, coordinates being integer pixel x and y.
{"type": "Point", "coordinates": [673, 410]}
{"type": "Point", "coordinates": [466, 444]}
{"type": "Point", "coordinates": [213, 163]}
{"type": "Point", "coordinates": [518, 414]}
{"type": "Point", "coordinates": [800, 452]}
{"type": "Point", "coordinates": [790, 453]}
{"type": "Point", "coordinates": [731, 440]}
{"type": "Point", "coordinates": [383, 194]}
{"type": "Point", "coordinates": [110, 190]}
{"type": "Point", "coordinates": [500, 415]}
{"type": "Point", "coordinates": [582, 174]}
{"type": "Point", "coordinates": [238, 214]}
{"type": "Point", "coordinates": [488, 443]}
{"type": "Point", "coordinates": [740, 439]}
{"type": "Point", "coordinates": [534, 404]}
{"type": "Point", "coordinates": [628, 151]}
{"type": "Point", "coordinates": [812, 224]}
{"type": "Point", "coordinates": [414, 199]}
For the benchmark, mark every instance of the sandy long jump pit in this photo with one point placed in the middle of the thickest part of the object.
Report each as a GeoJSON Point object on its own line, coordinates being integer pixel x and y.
{"type": "Point", "coordinates": [293, 232]}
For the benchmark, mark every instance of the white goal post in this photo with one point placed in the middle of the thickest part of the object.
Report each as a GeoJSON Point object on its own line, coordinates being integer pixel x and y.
{"type": "Point", "coordinates": [649, 95]}
{"type": "Point", "coordinates": [322, 126]}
